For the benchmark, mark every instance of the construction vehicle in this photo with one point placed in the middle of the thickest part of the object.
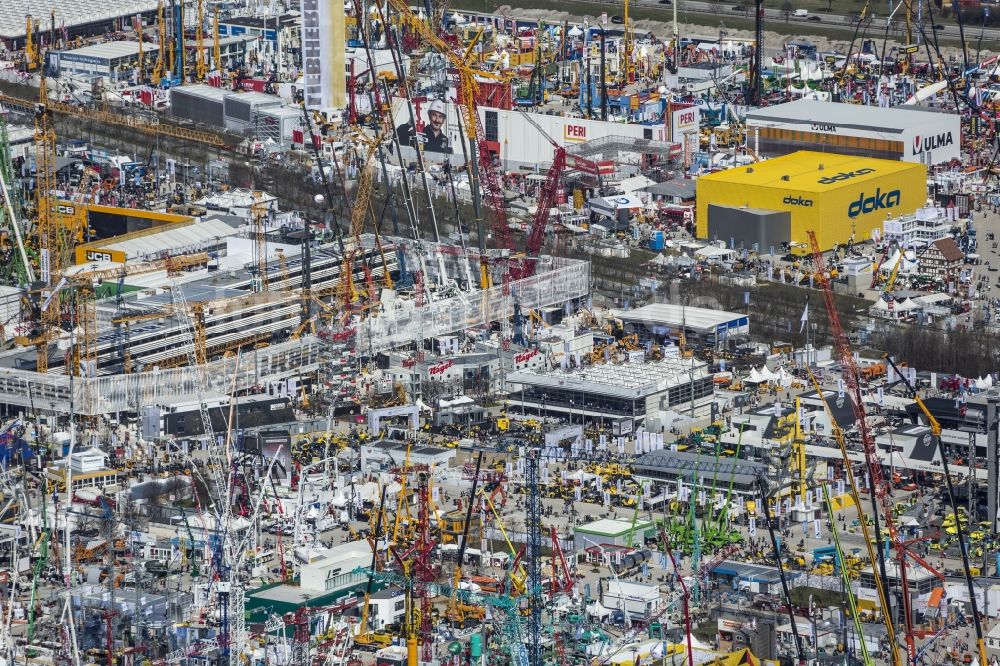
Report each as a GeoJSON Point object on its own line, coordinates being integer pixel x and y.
{"type": "Point", "coordinates": [31, 50]}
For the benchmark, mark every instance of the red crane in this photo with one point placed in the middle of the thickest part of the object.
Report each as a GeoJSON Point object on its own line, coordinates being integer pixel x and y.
{"type": "Point", "coordinates": [546, 199]}
{"type": "Point", "coordinates": [880, 485]}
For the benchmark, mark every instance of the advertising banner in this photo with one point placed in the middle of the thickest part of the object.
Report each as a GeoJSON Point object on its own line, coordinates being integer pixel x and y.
{"type": "Point", "coordinates": [323, 52]}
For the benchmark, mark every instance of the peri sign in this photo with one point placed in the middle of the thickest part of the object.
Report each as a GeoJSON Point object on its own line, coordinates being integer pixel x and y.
{"type": "Point", "coordinates": [684, 120]}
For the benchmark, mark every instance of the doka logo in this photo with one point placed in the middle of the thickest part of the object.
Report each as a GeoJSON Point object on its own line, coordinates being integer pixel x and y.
{"type": "Point", "coordinates": [797, 201]}
{"type": "Point", "coordinates": [843, 175]}
{"type": "Point", "coordinates": [931, 142]}
{"type": "Point", "coordinates": [878, 201]}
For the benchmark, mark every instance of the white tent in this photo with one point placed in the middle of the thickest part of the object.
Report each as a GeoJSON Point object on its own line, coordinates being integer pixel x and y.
{"type": "Point", "coordinates": [768, 375]}
{"type": "Point", "coordinates": [907, 265]}
{"type": "Point", "coordinates": [820, 95]}
{"type": "Point", "coordinates": [596, 610]}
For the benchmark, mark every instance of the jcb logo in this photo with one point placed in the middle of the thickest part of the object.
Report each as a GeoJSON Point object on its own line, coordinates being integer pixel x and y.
{"type": "Point", "coordinates": [97, 255]}
{"type": "Point", "coordinates": [63, 209]}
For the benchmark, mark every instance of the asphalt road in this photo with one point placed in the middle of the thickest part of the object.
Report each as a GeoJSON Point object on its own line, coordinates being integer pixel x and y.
{"type": "Point", "coordinates": [875, 28]}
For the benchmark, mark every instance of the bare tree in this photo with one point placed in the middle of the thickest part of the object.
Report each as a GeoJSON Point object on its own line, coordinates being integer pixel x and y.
{"type": "Point", "coordinates": [786, 9]}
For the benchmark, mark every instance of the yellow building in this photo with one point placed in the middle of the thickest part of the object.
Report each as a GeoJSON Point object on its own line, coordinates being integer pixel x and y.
{"type": "Point", "coordinates": [777, 201]}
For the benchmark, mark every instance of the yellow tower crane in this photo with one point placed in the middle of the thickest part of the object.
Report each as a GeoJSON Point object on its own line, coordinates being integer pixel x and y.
{"type": "Point", "coordinates": [161, 29]}
{"type": "Point", "coordinates": [85, 349]}
{"type": "Point", "coordinates": [47, 232]}
{"type": "Point", "coordinates": [216, 47]}
{"type": "Point", "coordinates": [200, 68]}
{"type": "Point", "coordinates": [259, 214]}
{"type": "Point", "coordinates": [139, 33]}
{"type": "Point", "coordinates": [30, 46]}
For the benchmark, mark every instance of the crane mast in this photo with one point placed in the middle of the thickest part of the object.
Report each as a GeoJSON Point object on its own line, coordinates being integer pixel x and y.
{"type": "Point", "coordinates": [46, 228]}
{"type": "Point", "coordinates": [200, 68]}
{"type": "Point", "coordinates": [161, 57]}
{"type": "Point", "coordinates": [881, 498]}
{"type": "Point", "coordinates": [216, 46]}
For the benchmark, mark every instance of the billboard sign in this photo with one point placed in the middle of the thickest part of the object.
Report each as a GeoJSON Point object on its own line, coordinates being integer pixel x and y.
{"type": "Point", "coordinates": [323, 42]}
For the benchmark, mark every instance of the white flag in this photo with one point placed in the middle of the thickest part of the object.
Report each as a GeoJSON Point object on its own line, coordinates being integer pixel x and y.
{"type": "Point", "coordinates": [805, 316]}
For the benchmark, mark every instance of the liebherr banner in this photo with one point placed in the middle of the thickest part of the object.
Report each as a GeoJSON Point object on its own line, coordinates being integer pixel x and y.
{"type": "Point", "coordinates": [323, 51]}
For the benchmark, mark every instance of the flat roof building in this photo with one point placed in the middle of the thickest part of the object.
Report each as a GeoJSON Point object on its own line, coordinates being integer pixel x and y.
{"type": "Point", "coordinates": [610, 532]}
{"type": "Point", "coordinates": [76, 17]}
{"type": "Point", "coordinates": [660, 321]}
{"type": "Point", "coordinates": [907, 133]}
{"type": "Point", "coordinates": [679, 467]}
{"type": "Point", "coordinates": [389, 453]}
{"type": "Point", "coordinates": [637, 390]}
{"type": "Point", "coordinates": [95, 60]}
{"type": "Point", "coordinates": [839, 197]}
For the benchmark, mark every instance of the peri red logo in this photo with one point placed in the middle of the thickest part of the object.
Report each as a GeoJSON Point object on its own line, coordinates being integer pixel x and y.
{"type": "Point", "coordinates": [916, 144]}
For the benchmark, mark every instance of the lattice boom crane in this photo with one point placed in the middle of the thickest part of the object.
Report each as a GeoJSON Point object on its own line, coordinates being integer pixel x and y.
{"type": "Point", "coordinates": [880, 486]}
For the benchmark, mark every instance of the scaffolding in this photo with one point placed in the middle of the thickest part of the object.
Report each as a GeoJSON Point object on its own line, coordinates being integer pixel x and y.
{"type": "Point", "coordinates": [120, 393]}
{"type": "Point", "coordinates": [458, 305]}
{"type": "Point", "coordinates": [613, 147]}
{"type": "Point", "coordinates": [557, 281]}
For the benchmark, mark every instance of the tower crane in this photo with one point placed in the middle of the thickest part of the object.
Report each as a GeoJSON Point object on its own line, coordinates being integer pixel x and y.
{"type": "Point", "coordinates": [200, 68]}
{"type": "Point", "coordinates": [30, 44]}
{"type": "Point", "coordinates": [161, 57]}
{"type": "Point", "coordinates": [216, 47]}
{"type": "Point", "coordinates": [47, 231]}
{"type": "Point", "coordinates": [881, 499]}
{"type": "Point", "coordinates": [362, 208]}
{"type": "Point", "coordinates": [140, 34]}
{"type": "Point", "coordinates": [130, 122]}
